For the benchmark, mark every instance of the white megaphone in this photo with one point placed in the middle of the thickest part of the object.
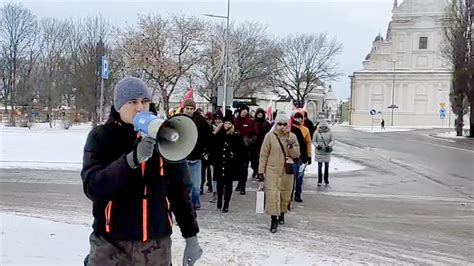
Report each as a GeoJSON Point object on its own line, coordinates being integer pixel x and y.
{"type": "Point", "coordinates": [175, 137]}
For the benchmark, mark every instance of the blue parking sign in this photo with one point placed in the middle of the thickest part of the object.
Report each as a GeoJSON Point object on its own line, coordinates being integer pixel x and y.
{"type": "Point", "coordinates": [105, 68]}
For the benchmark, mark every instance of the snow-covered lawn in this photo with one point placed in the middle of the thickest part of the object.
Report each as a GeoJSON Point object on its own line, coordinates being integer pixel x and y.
{"type": "Point", "coordinates": [377, 129]}
{"type": "Point", "coordinates": [42, 147]}
{"type": "Point", "coordinates": [448, 135]}
{"type": "Point", "coordinates": [59, 149]}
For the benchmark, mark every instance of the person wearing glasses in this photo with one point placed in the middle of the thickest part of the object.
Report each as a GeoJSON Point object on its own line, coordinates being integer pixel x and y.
{"type": "Point", "coordinates": [279, 149]}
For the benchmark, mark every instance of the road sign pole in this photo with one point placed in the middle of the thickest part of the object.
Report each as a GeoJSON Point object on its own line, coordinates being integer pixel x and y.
{"type": "Point", "coordinates": [372, 123]}
{"type": "Point", "coordinates": [101, 111]}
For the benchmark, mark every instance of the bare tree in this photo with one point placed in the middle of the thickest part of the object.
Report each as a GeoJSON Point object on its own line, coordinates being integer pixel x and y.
{"type": "Point", "coordinates": [306, 61]}
{"type": "Point", "coordinates": [163, 50]}
{"type": "Point", "coordinates": [55, 33]}
{"type": "Point", "coordinates": [251, 53]}
{"type": "Point", "coordinates": [17, 27]}
{"type": "Point", "coordinates": [456, 50]}
{"type": "Point", "coordinates": [87, 46]}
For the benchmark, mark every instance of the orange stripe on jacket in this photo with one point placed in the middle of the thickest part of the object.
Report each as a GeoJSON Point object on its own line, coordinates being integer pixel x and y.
{"type": "Point", "coordinates": [108, 213]}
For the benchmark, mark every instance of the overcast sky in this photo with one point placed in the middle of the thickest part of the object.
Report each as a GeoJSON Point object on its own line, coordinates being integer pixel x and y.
{"type": "Point", "coordinates": [355, 23]}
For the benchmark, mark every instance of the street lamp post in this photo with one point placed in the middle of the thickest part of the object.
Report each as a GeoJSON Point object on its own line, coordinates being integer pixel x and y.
{"type": "Point", "coordinates": [393, 106]}
{"type": "Point", "coordinates": [226, 44]}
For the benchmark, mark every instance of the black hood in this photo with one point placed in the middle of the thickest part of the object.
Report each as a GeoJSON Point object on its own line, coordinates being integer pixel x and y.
{"type": "Point", "coordinates": [260, 110]}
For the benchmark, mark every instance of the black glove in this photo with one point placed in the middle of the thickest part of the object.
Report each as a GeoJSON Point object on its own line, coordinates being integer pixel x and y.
{"type": "Point", "coordinates": [142, 152]}
{"type": "Point", "coordinates": [319, 147]}
{"type": "Point", "coordinates": [260, 177]}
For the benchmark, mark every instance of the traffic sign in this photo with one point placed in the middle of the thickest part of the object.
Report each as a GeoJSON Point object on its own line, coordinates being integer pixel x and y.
{"type": "Point", "coordinates": [372, 112]}
{"type": "Point", "coordinates": [442, 105]}
{"type": "Point", "coordinates": [105, 68]}
{"type": "Point", "coordinates": [442, 113]}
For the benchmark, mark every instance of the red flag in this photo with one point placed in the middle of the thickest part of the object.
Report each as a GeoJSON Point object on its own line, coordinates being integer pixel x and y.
{"type": "Point", "coordinates": [187, 96]}
{"type": "Point", "coordinates": [270, 112]}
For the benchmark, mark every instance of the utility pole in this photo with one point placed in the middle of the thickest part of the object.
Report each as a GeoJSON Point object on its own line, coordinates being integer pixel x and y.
{"type": "Point", "coordinates": [393, 106]}
{"type": "Point", "coordinates": [226, 56]}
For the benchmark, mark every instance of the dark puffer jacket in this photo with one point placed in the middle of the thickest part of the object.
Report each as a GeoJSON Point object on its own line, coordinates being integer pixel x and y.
{"type": "Point", "coordinates": [227, 155]}
{"type": "Point", "coordinates": [129, 205]}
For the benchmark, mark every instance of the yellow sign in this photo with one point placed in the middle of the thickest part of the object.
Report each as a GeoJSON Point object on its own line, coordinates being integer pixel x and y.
{"type": "Point", "coordinates": [442, 105]}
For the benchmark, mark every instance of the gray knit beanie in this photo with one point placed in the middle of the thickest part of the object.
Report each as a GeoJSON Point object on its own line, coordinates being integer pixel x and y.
{"type": "Point", "coordinates": [129, 88]}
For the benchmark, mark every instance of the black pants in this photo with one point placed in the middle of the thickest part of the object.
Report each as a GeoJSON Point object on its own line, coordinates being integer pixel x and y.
{"type": "Point", "coordinates": [326, 172]}
{"type": "Point", "coordinates": [254, 160]}
{"type": "Point", "coordinates": [206, 172]}
{"type": "Point", "coordinates": [244, 172]}
{"type": "Point", "coordinates": [224, 190]}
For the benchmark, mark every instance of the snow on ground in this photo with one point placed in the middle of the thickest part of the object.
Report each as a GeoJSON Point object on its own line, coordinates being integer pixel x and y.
{"type": "Point", "coordinates": [448, 135]}
{"type": "Point", "coordinates": [377, 129]}
{"type": "Point", "coordinates": [34, 241]}
{"type": "Point", "coordinates": [42, 147]}
{"type": "Point", "coordinates": [337, 165]}
{"type": "Point", "coordinates": [55, 148]}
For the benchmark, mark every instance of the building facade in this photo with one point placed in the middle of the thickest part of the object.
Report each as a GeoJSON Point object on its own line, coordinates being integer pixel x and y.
{"type": "Point", "coordinates": [405, 78]}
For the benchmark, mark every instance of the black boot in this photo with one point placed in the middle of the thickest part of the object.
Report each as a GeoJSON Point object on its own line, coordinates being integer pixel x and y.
{"type": "Point", "coordinates": [281, 219]}
{"type": "Point", "coordinates": [242, 191]}
{"type": "Point", "coordinates": [274, 224]}
{"type": "Point", "coordinates": [226, 207]}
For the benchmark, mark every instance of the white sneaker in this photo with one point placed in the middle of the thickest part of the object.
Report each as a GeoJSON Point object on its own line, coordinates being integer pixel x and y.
{"type": "Point", "coordinates": [214, 197]}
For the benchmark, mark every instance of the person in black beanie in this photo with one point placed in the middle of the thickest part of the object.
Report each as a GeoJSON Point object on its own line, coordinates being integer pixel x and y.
{"type": "Point", "coordinates": [227, 157]}
{"type": "Point", "coordinates": [262, 126]}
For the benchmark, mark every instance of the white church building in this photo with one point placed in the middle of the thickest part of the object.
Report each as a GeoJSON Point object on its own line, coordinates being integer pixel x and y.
{"type": "Point", "coordinates": [405, 71]}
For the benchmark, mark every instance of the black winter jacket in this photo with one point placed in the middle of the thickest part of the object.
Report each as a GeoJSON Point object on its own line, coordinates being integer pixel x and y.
{"type": "Point", "coordinates": [204, 137]}
{"type": "Point", "coordinates": [227, 155]}
{"type": "Point", "coordinates": [127, 205]}
{"type": "Point", "coordinates": [302, 144]}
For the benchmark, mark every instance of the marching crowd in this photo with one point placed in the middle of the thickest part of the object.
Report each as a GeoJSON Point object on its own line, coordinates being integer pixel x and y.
{"type": "Point", "coordinates": [277, 150]}
{"type": "Point", "coordinates": [134, 191]}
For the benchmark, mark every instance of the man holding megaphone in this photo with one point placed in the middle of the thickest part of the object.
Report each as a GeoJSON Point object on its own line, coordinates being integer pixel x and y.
{"type": "Point", "coordinates": [136, 180]}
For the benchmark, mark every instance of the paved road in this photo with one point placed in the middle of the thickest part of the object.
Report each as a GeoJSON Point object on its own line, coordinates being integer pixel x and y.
{"type": "Point", "coordinates": [412, 204]}
{"type": "Point", "coordinates": [449, 162]}
{"type": "Point", "coordinates": [371, 216]}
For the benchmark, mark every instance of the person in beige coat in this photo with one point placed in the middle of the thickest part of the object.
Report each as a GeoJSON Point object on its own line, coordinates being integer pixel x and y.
{"type": "Point", "coordinates": [278, 184]}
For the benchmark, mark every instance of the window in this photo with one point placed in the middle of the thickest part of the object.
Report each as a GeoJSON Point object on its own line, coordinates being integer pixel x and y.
{"type": "Point", "coordinates": [423, 43]}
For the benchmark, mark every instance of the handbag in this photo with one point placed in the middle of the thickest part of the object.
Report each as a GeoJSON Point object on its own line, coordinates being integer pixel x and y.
{"type": "Point", "coordinates": [288, 165]}
{"type": "Point", "coordinates": [260, 200]}
{"type": "Point", "coordinates": [327, 148]}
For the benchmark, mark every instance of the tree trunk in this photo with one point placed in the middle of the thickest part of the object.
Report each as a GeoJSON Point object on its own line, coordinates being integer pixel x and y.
{"type": "Point", "coordinates": [12, 105]}
{"type": "Point", "coordinates": [459, 123]}
{"type": "Point", "coordinates": [166, 104]}
{"type": "Point", "coordinates": [471, 122]}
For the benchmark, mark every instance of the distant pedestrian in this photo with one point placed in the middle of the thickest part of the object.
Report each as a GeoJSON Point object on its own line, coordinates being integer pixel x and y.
{"type": "Point", "coordinates": [382, 124]}
{"type": "Point", "coordinates": [324, 141]}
